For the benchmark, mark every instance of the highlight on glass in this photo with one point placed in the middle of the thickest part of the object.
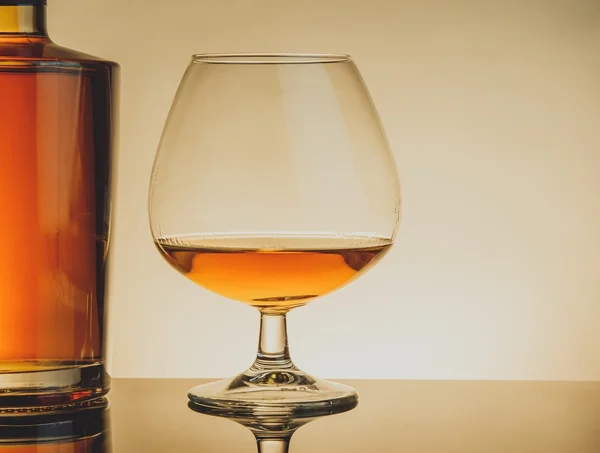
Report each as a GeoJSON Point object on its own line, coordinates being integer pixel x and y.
{"type": "Point", "coordinates": [273, 185]}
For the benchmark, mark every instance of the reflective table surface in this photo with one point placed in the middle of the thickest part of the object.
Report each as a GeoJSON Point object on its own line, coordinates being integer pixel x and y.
{"type": "Point", "coordinates": [152, 416]}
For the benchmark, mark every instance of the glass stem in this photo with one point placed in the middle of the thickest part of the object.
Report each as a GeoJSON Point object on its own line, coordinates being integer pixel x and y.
{"type": "Point", "coordinates": [273, 352]}
{"type": "Point", "coordinates": [277, 445]}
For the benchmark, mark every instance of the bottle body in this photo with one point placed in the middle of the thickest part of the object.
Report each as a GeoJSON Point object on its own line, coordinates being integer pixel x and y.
{"type": "Point", "coordinates": [57, 118]}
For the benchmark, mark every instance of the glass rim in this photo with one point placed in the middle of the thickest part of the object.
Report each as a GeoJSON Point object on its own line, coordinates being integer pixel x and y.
{"type": "Point", "coordinates": [270, 58]}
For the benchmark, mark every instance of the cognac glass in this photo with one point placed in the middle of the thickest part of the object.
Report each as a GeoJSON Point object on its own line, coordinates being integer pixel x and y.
{"type": "Point", "coordinates": [273, 185]}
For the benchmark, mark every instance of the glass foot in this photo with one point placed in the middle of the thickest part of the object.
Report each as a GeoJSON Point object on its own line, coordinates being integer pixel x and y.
{"type": "Point", "coordinates": [288, 392]}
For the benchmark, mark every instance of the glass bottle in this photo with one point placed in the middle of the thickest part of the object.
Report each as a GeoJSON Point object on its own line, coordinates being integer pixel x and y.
{"type": "Point", "coordinates": [57, 123]}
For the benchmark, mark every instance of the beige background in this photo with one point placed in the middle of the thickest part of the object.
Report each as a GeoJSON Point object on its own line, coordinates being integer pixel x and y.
{"type": "Point", "coordinates": [492, 109]}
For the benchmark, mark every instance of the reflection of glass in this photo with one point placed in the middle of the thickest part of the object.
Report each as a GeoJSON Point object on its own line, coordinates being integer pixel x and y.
{"type": "Point", "coordinates": [65, 430]}
{"type": "Point", "coordinates": [273, 185]}
{"type": "Point", "coordinates": [273, 430]}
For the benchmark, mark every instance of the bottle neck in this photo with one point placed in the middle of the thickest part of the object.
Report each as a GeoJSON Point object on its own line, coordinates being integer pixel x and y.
{"type": "Point", "coordinates": [22, 20]}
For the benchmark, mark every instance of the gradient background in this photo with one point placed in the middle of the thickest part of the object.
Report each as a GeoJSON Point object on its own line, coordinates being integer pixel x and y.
{"type": "Point", "coordinates": [492, 108]}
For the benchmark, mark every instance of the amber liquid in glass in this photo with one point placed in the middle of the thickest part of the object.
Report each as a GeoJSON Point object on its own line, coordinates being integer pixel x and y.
{"type": "Point", "coordinates": [272, 273]}
{"type": "Point", "coordinates": [55, 145]}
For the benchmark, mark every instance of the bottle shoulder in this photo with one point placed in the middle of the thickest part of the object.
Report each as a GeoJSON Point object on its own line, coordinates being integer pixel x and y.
{"type": "Point", "coordinates": [52, 50]}
{"type": "Point", "coordinates": [44, 52]}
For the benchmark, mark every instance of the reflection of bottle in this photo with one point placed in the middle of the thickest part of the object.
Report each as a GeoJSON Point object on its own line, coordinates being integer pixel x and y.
{"type": "Point", "coordinates": [56, 129]}
{"type": "Point", "coordinates": [84, 430]}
